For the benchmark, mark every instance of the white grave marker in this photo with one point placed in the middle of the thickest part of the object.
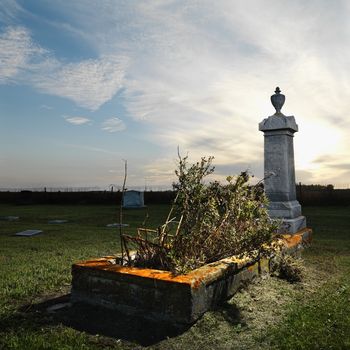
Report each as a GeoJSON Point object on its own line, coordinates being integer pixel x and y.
{"type": "Point", "coordinates": [133, 199]}
{"type": "Point", "coordinates": [57, 221]}
{"type": "Point", "coordinates": [28, 233]}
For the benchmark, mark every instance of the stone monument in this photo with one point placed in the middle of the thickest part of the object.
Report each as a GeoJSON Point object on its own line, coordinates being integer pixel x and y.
{"type": "Point", "coordinates": [133, 199]}
{"type": "Point", "coordinates": [279, 167]}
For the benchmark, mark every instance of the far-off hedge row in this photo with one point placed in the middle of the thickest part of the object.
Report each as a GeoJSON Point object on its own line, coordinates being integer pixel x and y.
{"type": "Point", "coordinates": [306, 195]}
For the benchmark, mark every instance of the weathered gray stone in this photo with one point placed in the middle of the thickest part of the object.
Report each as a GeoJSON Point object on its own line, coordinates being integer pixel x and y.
{"type": "Point", "coordinates": [279, 122]}
{"type": "Point", "coordinates": [28, 233]}
{"type": "Point", "coordinates": [287, 210]}
{"type": "Point", "coordinates": [162, 296]}
{"type": "Point", "coordinates": [279, 171]}
{"type": "Point", "coordinates": [294, 225]}
{"type": "Point", "coordinates": [9, 218]}
{"type": "Point", "coordinates": [181, 299]}
{"type": "Point", "coordinates": [117, 224]}
{"type": "Point", "coordinates": [133, 199]}
{"type": "Point", "coordinates": [54, 222]}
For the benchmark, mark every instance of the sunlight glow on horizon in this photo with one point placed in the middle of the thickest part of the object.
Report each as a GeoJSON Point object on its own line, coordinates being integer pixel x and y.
{"type": "Point", "coordinates": [326, 139]}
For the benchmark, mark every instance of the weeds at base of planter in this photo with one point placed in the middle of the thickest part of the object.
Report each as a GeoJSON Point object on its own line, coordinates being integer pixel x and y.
{"type": "Point", "coordinates": [287, 267]}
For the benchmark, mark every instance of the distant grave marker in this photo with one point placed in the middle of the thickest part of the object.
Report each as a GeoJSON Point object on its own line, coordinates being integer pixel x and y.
{"type": "Point", "coordinates": [117, 224]}
{"type": "Point", "coordinates": [57, 221]}
{"type": "Point", "coordinates": [28, 233]}
{"type": "Point", "coordinates": [9, 218]}
{"type": "Point", "coordinates": [133, 199]}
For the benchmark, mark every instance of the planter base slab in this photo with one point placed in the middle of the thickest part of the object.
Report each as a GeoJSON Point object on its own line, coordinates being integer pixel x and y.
{"type": "Point", "coordinates": [159, 294]}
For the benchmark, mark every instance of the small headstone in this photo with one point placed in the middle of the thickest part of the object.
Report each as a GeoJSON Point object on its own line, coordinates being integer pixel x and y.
{"type": "Point", "coordinates": [133, 199]}
{"type": "Point", "coordinates": [9, 218]}
{"type": "Point", "coordinates": [116, 224]}
{"type": "Point", "coordinates": [28, 233]}
{"type": "Point", "coordinates": [57, 221]}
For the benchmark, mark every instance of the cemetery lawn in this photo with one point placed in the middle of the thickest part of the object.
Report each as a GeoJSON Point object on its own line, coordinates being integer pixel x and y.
{"type": "Point", "coordinates": [269, 314]}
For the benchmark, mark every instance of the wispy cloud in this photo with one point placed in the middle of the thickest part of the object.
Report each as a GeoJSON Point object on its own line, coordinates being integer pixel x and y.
{"type": "Point", "coordinates": [199, 74]}
{"type": "Point", "coordinates": [93, 149]}
{"type": "Point", "coordinates": [213, 78]}
{"type": "Point", "coordinates": [89, 83]}
{"type": "Point", "coordinates": [9, 11]}
{"type": "Point", "coordinates": [46, 107]}
{"type": "Point", "coordinates": [77, 120]}
{"type": "Point", "coordinates": [16, 53]}
{"type": "Point", "coordinates": [113, 125]}
{"type": "Point", "coordinates": [203, 82]}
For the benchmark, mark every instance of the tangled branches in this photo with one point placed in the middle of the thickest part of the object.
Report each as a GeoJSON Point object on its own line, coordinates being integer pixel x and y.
{"type": "Point", "coordinates": [207, 222]}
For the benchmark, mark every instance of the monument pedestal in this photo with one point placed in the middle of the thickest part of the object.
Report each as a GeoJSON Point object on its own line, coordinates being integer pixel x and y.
{"type": "Point", "coordinates": [288, 209]}
{"type": "Point", "coordinates": [293, 225]}
{"type": "Point", "coordinates": [279, 167]}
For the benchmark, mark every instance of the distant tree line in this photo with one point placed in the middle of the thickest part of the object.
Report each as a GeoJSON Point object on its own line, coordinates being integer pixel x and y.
{"type": "Point", "coordinates": [306, 195]}
{"type": "Point", "coordinates": [88, 197]}
{"type": "Point", "coordinates": [316, 187]}
{"type": "Point", "coordinates": [322, 195]}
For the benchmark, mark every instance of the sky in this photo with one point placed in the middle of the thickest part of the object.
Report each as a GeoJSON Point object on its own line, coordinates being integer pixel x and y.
{"type": "Point", "coordinates": [86, 85]}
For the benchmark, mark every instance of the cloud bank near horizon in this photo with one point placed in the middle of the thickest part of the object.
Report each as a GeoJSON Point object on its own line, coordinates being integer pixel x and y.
{"type": "Point", "coordinates": [200, 75]}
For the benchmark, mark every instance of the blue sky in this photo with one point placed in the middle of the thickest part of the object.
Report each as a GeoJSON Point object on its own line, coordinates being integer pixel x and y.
{"type": "Point", "coordinates": [87, 84]}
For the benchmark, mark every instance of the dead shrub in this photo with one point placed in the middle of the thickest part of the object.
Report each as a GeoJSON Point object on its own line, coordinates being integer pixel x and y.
{"type": "Point", "coordinates": [207, 222]}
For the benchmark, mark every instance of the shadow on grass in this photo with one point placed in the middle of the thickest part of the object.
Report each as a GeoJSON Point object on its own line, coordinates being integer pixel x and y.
{"type": "Point", "coordinates": [92, 320]}
{"type": "Point", "coordinates": [102, 322]}
{"type": "Point", "coordinates": [230, 313]}
{"type": "Point", "coordinates": [95, 320]}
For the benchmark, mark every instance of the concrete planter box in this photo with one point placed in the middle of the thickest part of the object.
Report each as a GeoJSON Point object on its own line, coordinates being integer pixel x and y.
{"type": "Point", "coordinates": [159, 294]}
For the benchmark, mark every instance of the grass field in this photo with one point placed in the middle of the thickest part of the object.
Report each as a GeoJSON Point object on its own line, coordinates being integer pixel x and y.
{"type": "Point", "coordinates": [270, 313]}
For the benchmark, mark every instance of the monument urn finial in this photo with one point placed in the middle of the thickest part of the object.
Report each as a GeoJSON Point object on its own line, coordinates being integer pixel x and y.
{"type": "Point", "coordinates": [277, 100]}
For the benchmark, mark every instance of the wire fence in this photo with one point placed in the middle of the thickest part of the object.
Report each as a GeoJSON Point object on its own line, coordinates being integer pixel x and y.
{"type": "Point", "coordinates": [114, 188]}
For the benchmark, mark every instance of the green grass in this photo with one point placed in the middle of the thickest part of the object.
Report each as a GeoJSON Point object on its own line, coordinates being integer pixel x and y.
{"type": "Point", "coordinates": [270, 314]}
{"type": "Point", "coordinates": [322, 320]}
{"type": "Point", "coordinates": [32, 266]}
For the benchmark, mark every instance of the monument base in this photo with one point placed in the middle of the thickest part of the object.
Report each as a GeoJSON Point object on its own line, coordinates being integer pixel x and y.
{"type": "Point", "coordinates": [286, 209]}
{"type": "Point", "coordinates": [292, 226]}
